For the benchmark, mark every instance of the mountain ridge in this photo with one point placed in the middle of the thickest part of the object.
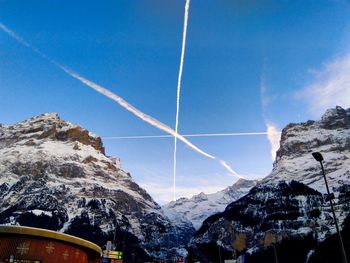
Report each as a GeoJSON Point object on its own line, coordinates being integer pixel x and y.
{"type": "Point", "coordinates": [197, 208]}
{"type": "Point", "coordinates": [55, 175]}
{"type": "Point", "coordinates": [276, 214]}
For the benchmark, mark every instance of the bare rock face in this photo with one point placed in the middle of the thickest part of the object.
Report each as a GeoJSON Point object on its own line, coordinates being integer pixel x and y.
{"type": "Point", "coordinates": [337, 118]}
{"type": "Point", "coordinates": [80, 135]}
{"type": "Point", "coordinates": [55, 175]}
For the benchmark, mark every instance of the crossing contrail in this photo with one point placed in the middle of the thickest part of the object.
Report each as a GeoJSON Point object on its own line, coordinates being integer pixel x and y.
{"type": "Point", "coordinates": [187, 6]}
{"type": "Point", "coordinates": [143, 116]}
{"type": "Point", "coordinates": [190, 135]}
{"type": "Point", "coordinates": [150, 120]}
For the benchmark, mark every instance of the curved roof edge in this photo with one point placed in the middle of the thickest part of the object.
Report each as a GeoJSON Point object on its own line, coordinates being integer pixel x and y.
{"type": "Point", "coordinates": [39, 232]}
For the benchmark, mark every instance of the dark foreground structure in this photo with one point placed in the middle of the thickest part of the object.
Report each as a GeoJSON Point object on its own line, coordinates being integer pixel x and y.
{"type": "Point", "coordinates": [20, 244]}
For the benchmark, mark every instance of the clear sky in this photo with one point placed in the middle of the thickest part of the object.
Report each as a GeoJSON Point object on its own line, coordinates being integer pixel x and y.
{"type": "Point", "coordinates": [248, 64]}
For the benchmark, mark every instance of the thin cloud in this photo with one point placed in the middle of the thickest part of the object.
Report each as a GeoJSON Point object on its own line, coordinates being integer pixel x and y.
{"type": "Point", "coordinates": [274, 137]}
{"type": "Point", "coordinates": [264, 99]}
{"type": "Point", "coordinates": [14, 35]}
{"type": "Point", "coordinates": [330, 85]}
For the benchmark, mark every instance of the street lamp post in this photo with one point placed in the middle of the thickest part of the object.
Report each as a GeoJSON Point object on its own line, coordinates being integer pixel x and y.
{"type": "Point", "coordinates": [274, 249]}
{"type": "Point", "coordinates": [115, 233]}
{"type": "Point", "coordinates": [318, 157]}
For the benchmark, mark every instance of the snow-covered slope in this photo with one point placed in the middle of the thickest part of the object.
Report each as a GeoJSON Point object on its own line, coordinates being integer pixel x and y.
{"type": "Point", "coordinates": [330, 136]}
{"type": "Point", "coordinates": [54, 174]}
{"type": "Point", "coordinates": [287, 209]}
{"type": "Point", "coordinates": [201, 206]}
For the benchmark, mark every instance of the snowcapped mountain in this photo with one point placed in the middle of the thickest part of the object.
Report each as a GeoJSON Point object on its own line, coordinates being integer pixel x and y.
{"type": "Point", "coordinates": [330, 136]}
{"type": "Point", "coordinates": [196, 209]}
{"type": "Point", "coordinates": [286, 215]}
{"type": "Point", "coordinates": [55, 175]}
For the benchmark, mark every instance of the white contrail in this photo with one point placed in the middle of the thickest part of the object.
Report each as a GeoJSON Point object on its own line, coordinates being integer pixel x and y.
{"type": "Point", "coordinates": [14, 35]}
{"type": "Point", "coordinates": [187, 6]}
{"type": "Point", "coordinates": [136, 137]}
{"type": "Point", "coordinates": [152, 121]}
{"type": "Point", "coordinates": [22, 41]}
{"type": "Point", "coordinates": [223, 163]}
{"type": "Point", "coordinates": [227, 134]}
{"type": "Point", "coordinates": [190, 135]}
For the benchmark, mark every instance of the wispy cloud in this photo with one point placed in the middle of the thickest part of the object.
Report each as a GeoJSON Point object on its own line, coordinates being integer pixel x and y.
{"type": "Point", "coordinates": [264, 99]}
{"type": "Point", "coordinates": [330, 85]}
{"type": "Point", "coordinates": [274, 136]}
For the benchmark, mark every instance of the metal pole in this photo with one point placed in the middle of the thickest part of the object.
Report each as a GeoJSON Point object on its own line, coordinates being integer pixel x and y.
{"type": "Point", "coordinates": [334, 216]}
{"type": "Point", "coordinates": [115, 232]}
{"type": "Point", "coordinates": [219, 254]}
{"type": "Point", "coordinates": [274, 249]}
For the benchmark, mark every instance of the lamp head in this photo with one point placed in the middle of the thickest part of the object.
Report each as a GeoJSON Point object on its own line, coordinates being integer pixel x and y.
{"type": "Point", "coordinates": [318, 157]}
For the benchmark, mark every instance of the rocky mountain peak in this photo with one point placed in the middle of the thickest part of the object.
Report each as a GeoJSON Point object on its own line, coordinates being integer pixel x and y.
{"type": "Point", "coordinates": [288, 208]}
{"type": "Point", "coordinates": [243, 183]}
{"type": "Point", "coordinates": [200, 197]}
{"type": "Point", "coordinates": [335, 118]}
{"type": "Point", "coordinates": [330, 134]}
{"type": "Point", "coordinates": [197, 208]}
{"type": "Point", "coordinates": [55, 175]}
{"type": "Point", "coordinates": [48, 126]}
{"type": "Point", "coordinates": [282, 211]}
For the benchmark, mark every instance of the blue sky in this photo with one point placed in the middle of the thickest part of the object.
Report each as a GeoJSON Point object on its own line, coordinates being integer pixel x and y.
{"type": "Point", "coordinates": [247, 64]}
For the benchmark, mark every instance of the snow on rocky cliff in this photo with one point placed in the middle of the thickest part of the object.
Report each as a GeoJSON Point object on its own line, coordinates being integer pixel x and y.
{"type": "Point", "coordinates": [55, 175]}
{"type": "Point", "coordinates": [330, 136]}
{"type": "Point", "coordinates": [287, 210]}
{"type": "Point", "coordinates": [201, 206]}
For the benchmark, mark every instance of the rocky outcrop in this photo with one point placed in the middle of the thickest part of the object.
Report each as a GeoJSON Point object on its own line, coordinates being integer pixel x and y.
{"type": "Point", "coordinates": [48, 126]}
